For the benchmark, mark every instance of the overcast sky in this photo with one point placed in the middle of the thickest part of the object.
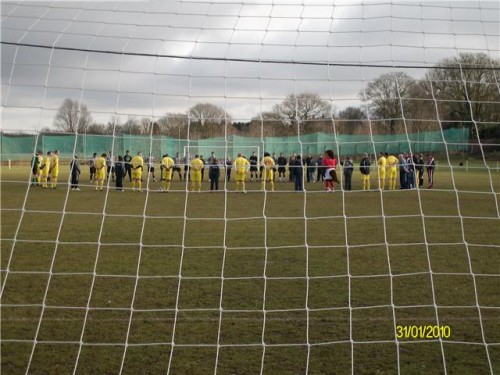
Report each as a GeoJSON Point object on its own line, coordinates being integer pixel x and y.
{"type": "Point", "coordinates": [35, 81]}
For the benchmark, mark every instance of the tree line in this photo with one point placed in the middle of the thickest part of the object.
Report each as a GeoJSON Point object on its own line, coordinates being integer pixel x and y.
{"type": "Point", "coordinates": [463, 92]}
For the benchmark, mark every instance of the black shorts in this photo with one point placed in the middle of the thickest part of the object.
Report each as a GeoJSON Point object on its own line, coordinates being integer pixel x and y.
{"type": "Point", "coordinates": [253, 168]}
{"type": "Point", "coordinates": [110, 169]}
{"type": "Point", "coordinates": [281, 170]}
{"type": "Point", "coordinates": [92, 170]}
{"type": "Point", "coordinates": [177, 169]}
{"type": "Point", "coordinates": [151, 169]}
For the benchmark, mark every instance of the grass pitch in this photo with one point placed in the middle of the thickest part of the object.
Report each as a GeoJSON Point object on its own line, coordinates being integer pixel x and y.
{"type": "Point", "coordinates": [110, 293]}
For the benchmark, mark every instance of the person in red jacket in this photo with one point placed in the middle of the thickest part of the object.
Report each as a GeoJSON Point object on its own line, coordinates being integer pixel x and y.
{"type": "Point", "coordinates": [329, 166]}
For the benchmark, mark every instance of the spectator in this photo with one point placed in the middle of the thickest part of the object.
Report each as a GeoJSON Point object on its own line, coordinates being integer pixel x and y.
{"type": "Point", "coordinates": [419, 169]}
{"type": "Point", "coordinates": [281, 167]}
{"type": "Point", "coordinates": [319, 168]}
{"type": "Point", "coordinates": [254, 160]}
{"type": "Point", "coordinates": [298, 173]}
{"type": "Point", "coordinates": [151, 166]}
{"type": "Point", "coordinates": [74, 167]}
{"type": "Point", "coordinates": [348, 169]}
{"type": "Point", "coordinates": [92, 169]}
{"type": "Point", "coordinates": [364, 168]}
{"type": "Point", "coordinates": [431, 165]}
{"type": "Point", "coordinates": [403, 171]}
{"type": "Point", "coordinates": [229, 166]}
{"type": "Point", "coordinates": [202, 168]}
{"type": "Point", "coordinates": [214, 173]}
{"type": "Point", "coordinates": [410, 174]}
{"type": "Point", "coordinates": [330, 166]}
{"type": "Point", "coordinates": [120, 173]}
{"type": "Point", "coordinates": [310, 163]}
{"type": "Point", "coordinates": [177, 165]}
{"type": "Point", "coordinates": [291, 162]}
{"type": "Point", "coordinates": [110, 166]}
{"type": "Point", "coordinates": [128, 167]}
{"type": "Point", "coordinates": [186, 167]}
{"type": "Point", "coordinates": [36, 162]}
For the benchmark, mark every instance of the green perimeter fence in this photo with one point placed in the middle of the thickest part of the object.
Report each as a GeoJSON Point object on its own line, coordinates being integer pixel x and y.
{"type": "Point", "coordinates": [16, 147]}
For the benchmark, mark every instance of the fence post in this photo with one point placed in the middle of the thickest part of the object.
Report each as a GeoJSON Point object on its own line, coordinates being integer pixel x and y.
{"type": "Point", "coordinates": [9, 165]}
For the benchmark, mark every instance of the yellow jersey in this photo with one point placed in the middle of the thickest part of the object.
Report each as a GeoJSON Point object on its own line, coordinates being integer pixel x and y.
{"type": "Point", "coordinates": [241, 164]}
{"type": "Point", "coordinates": [137, 163]}
{"type": "Point", "coordinates": [167, 162]}
{"type": "Point", "coordinates": [197, 164]}
{"type": "Point", "coordinates": [268, 162]}
{"type": "Point", "coordinates": [392, 161]}
{"type": "Point", "coordinates": [46, 165]}
{"type": "Point", "coordinates": [382, 162]}
{"type": "Point", "coordinates": [100, 163]}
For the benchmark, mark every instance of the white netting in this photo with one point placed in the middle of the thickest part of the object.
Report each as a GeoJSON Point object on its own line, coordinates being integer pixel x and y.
{"type": "Point", "coordinates": [287, 278]}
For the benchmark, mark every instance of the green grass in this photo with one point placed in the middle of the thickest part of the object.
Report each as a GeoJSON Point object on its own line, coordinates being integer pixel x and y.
{"type": "Point", "coordinates": [347, 289]}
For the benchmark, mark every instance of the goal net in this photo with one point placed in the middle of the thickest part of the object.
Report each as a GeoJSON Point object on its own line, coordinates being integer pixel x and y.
{"type": "Point", "coordinates": [390, 266]}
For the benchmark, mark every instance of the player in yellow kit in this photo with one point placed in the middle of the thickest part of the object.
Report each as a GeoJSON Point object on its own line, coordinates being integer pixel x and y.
{"type": "Point", "coordinates": [196, 165]}
{"type": "Point", "coordinates": [54, 169]}
{"type": "Point", "coordinates": [392, 169]}
{"type": "Point", "coordinates": [137, 168]}
{"type": "Point", "coordinates": [382, 164]}
{"type": "Point", "coordinates": [268, 174]}
{"type": "Point", "coordinates": [100, 172]}
{"type": "Point", "coordinates": [167, 165]}
{"type": "Point", "coordinates": [241, 166]}
{"type": "Point", "coordinates": [45, 168]}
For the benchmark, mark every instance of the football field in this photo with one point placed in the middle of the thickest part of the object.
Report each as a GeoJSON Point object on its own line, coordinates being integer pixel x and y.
{"type": "Point", "coordinates": [230, 283]}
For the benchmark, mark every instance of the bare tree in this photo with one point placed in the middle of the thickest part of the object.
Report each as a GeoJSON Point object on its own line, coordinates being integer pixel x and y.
{"type": "Point", "coordinates": [131, 126]}
{"type": "Point", "coordinates": [174, 125]}
{"type": "Point", "coordinates": [384, 95]}
{"type": "Point", "coordinates": [72, 117]}
{"type": "Point", "coordinates": [208, 120]}
{"type": "Point", "coordinates": [305, 108]}
{"type": "Point", "coordinates": [352, 120]}
{"type": "Point", "coordinates": [467, 89]}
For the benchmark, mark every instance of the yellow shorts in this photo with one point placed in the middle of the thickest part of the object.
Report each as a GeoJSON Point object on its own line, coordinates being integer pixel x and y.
{"type": "Point", "coordinates": [381, 174]}
{"type": "Point", "coordinates": [240, 176]}
{"type": "Point", "coordinates": [100, 174]}
{"type": "Point", "coordinates": [365, 177]}
{"type": "Point", "coordinates": [393, 172]}
{"type": "Point", "coordinates": [195, 176]}
{"type": "Point", "coordinates": [167, 174]}
{"type": "Point", "coordinates": [136, 174]}
{"type": "Point", "coordinates": [55, 173]}
{"type": "Point", "coordinates": [269, 174]}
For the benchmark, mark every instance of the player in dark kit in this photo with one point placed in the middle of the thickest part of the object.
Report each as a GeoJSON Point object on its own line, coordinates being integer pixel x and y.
{"type": "Point", "coordinates": [281, 167]}
{"type": "Point", "coordinates": [128, 166]}
{"type": "Point", "coordinates": [120, 173]}
{"type": "Point", "coordinates": [253, 165]}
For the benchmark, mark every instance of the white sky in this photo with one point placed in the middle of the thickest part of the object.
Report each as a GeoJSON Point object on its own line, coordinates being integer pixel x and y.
{"type": "Point", "coordinates": [35, 81]}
